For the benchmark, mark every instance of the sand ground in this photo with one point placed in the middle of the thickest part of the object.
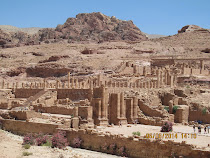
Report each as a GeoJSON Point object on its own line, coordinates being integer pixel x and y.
{"type": "Point", "coordinates": [11, 147]}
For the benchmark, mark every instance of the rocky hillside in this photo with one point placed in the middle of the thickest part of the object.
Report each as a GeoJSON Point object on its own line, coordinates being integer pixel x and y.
{"type": "Point", "coordinates": [94, 27]}
{"type": "Point", "coordinates": [191, 37]}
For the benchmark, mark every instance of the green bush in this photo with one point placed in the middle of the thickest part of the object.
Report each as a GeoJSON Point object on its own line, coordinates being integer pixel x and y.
{"type": "Point", "coordinates": [26, 146]}
{"type": "Point", "coordinates": [187, 86]}
{"type": "Point", "coordinates": [166, 108]}
{"type": "Point", "coordinates": [25, 153]}
{"type": "Point", "coordinates": [204, 110]}
{"type": "Point", "coordinates": [136, 133]}
{"type": "Point", "coordinates": [48, 143]}
{"type": "Point", "coordinates": [175, 108]}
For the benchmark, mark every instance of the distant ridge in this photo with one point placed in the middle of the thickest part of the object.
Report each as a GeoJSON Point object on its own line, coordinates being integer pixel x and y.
{"type": "Point", "coordinates": [9, 28]}
{"type": "Point", "coordinates": [34, 30]}
{"type": "Point", "coordinates": [152, 36]}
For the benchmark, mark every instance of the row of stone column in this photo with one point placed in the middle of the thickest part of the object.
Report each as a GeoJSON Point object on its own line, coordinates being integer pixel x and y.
{"type": "Point", "coordinates": [137, 84]}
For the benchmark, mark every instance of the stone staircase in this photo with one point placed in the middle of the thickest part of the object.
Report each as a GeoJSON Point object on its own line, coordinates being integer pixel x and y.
{"type": "Point", "coordinates": [35, 97]}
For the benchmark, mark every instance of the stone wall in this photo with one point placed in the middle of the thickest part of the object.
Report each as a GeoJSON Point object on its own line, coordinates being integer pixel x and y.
{"type": "Point", "coordinates": [24, 115]}
{"type": "Point", "coordinates": [23, 127]}
{"type": "Point", "coordinates": [4, 104]}
{"type": "Point", "coordinates": [25, 93]}
{"type": "Point", "coordinates": [198, 115]}
{"type": "Point", "coordinates": [63, 110]}
{"type": "Point", "coordinates": [74, 94]}
{"type": "Point", "coordinates": [91, 139]}
{"type": "Point", "coordinates": [149, 111]}
{"type": "Point", "coordinates": [135, 148]}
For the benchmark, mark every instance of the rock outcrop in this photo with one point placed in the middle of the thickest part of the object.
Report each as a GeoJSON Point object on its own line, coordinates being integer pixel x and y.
{"type": "Point", "coordinates": [93, 27]}
{"type": "Point", "coordinates": [190, 28]}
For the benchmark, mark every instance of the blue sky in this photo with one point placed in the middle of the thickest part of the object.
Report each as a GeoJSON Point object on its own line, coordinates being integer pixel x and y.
{"type": "Point", "coordinates": [151, 16]}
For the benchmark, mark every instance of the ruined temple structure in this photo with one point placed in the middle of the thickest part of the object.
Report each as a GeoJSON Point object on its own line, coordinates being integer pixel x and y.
{"type": "Point", "coordinates": [134, 94]}
{"type": "Point", "coordinates": [104, 99]}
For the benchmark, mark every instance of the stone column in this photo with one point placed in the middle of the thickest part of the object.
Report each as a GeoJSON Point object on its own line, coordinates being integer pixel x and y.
{"type": "Point", "coordinates": [122, 105]}
{"type": "Point", "coordinates": [161, 78]}
{"type": "Point", "coordinates": [135, 105]}
{"type": "Point", "coordinates": [91, 84]}
{"type": "Point", "coordinates": [56, 84]}
{"type": "Point", "coordinates": [72, 82]}
{"type": "Point", "coordinates": [114, 106]}
{"type": "Point", "coordinates": [144, 71]}
{"type": "Point", "coordinates": [76, 84]}
{"type": "Point", "coordinates": [166, 77]}
{"type": "Point", "coordinates": [105, 83]}
{"type": "Point", "coordinates": [45, 84]}
{"type": "Point", "coordinates": [172, 81]}
{"type": "Point", "coordinates": [158, 78]}
{"type": "Point", "coordinates": [3, 84]}
{"type": "Point", "coordinates": [129, 110]}
{"type": "Point", "coordinates": [144, 85]}
{"type": "Point", "coordinates": [69, 80]}
{"type": "Point", "coordinates": [96, 108]}
{"type": "Point", "coordinates": [141, 85]}
{"type": "Point", "coordinates": [135, 69]}
{"type": "Point", "coordinates": [99, 80]}
{"type": "Point", "coordinates": [103, 103]}
{"type": "Point", "coordinates": [83, 85]}
{"type": "Point", "coordinates": [151, 84]}
{"type": "Point", "coordinates": [170, 106]}
{"type": "Point", "coordinates": [201, 66]}
{"type": "Point", "coordinates": [126, 84]}
{"type": "Point", "coordinates": [17, 85]}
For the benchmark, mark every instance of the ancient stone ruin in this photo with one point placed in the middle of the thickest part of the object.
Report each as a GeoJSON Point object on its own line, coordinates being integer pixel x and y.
{"type": "Point", "coordinates": [101, 91]}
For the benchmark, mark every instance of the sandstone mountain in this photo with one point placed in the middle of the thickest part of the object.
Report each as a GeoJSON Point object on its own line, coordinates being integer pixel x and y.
{"type": "Point", "coordinates": [94, 27]}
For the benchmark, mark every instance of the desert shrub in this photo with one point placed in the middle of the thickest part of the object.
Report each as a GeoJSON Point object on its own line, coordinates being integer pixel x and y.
{"type": "Point", "coordinates": [122, 152]}
{"type": "Point", "coordinates": [166, 108]}
{"type": "Point", "coordinates": [77, 142]}
{"type": "Point", "coordinates": [29, 139]}
{"type": "Point", "coordinates": [136, 133]}
{"type": "Point", "coordinates": [204, 110]}
{"type": "Point", "coordinates": [167, 127]}
{"type": "Point", "coordinates": [26, 146]}
{"type": "Point", "coordinates": [112, 148]}
{"type": "Point", "coordinates": [25, 153]}
{"type": "Point", "coordinates": [41, 139]}
{"type": "Point", "coordinates": [59, 140]}
{"type": "Point", "coordinates": [175, 108]}
{"type": "Point", "coordinates": [104, 147]}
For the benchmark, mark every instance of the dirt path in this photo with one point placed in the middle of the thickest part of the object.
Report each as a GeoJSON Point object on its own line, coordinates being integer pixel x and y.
{"type": "Point", "coordinates": [9, 147]}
